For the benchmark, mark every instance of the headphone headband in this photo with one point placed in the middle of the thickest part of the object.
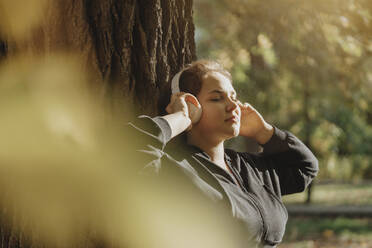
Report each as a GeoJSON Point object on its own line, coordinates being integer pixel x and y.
{"type": "Point", "coordinates": [176, 82]}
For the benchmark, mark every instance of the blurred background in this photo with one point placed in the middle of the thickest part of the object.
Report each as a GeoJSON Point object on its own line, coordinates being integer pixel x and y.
{"type": "Point", "coordinates": [307, 67]}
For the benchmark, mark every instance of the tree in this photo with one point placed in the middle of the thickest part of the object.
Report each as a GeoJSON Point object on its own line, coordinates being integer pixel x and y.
{"type": "Point", "coordinates": [133, 46]}
{"type": "Point", "coordinates": [304, 65]}
{"type": "Point", "coordinates": [2, 49]}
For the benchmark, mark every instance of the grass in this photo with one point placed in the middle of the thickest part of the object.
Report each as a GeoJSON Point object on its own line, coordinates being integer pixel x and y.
{"type": "Point", "coordinates": [328, 232]}
{"type": "Point", "coordinates": [305, 232]}
{"type": "Point", "coordinates": [335, 194]}
{"type": "Point", "coordinates": [306, 228]}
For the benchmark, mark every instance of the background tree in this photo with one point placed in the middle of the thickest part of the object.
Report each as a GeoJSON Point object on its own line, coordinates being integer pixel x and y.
{"type": "Point", "coordinates": [304, 65]}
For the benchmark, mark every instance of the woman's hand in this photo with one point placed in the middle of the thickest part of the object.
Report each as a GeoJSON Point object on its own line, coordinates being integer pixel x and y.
{"type": "Point", "coordinates": [253, 125]}
{"type": "Point", "coordinates": [186, 103]}
{"type": "Point", "coordinates": [183, 110]}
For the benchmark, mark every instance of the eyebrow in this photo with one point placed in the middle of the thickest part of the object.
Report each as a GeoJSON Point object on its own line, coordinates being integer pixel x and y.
{"type": "Point", "coordinates": [220, 92]}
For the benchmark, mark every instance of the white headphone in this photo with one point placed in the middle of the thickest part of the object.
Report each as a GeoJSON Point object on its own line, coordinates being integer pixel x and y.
{"type": "Point", "coordinates": [176, 82]}
{"type": "Point", "coordinates": [195, 113]}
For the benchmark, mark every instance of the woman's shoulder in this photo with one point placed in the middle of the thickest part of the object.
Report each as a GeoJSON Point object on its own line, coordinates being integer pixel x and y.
{"type": "Point", "coordinates": [178, 148]}
{"type": "Point", "coordinates": [249, 155]}
{"type": "Point", "coordinates": [248, 159]}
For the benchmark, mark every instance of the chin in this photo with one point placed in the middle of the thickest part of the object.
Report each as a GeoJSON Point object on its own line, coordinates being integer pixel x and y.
{"type": "Point", "coordinates": [236, 132]}
{"type": "Point", "coordinates": [233, 132]}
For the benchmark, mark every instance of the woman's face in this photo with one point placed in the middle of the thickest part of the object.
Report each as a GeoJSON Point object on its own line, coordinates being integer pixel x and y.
{"type": "Point", "coordinates": [220, 110]}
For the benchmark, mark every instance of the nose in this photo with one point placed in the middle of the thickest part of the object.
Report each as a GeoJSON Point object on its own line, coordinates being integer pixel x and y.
{"type": "Point", "coordinates": [231, 105]}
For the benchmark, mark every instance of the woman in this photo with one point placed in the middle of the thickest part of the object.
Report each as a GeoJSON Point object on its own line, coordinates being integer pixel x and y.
{"type": "Point", "coordinates": [204, 108]}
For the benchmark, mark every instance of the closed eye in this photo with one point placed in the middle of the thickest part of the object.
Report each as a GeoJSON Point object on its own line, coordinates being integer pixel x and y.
{"type": "Point", "coordinates": [216, 97]}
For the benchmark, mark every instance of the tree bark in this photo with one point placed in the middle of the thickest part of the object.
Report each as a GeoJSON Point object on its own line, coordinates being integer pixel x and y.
{"type": "Point", "coordinates": [306, 109]}
{"type": "Point", "coordinates": [3, 50]}
{"type": "Point", "coordinates": [133, 46]}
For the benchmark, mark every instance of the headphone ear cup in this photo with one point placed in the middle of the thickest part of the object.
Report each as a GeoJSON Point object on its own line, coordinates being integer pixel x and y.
{"type": "Point", "coordinates": [194, 112]}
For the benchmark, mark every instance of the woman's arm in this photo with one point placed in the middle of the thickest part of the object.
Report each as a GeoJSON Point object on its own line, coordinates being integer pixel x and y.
{"type": "Point", "coordinates": [285, 162]}
{"type": "Point", "coordinates": [286, 165]}
{"type": "Point", "coordinates": [180, 115]}
{"type": "Point", "coordinates": [149, 136]}
{"type": "Point", "coordinates": [253, 125]}
{"type": "Point", "coordinates": [291, 161]}
{"type": "Point", "coordinates": [159, 130]}
{"type": "Point", "coordinates": [178, 122]}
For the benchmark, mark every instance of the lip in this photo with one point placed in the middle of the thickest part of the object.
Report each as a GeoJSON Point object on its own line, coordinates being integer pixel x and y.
{"type": "Point", "coordinates": [233, 119]}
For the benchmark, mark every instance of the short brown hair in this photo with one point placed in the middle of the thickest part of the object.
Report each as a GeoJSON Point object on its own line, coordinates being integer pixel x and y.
{"type": "Point", "coordinates": [191, 78]}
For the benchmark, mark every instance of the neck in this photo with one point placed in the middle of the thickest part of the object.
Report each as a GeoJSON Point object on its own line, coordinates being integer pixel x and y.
{"type": "Point", "coordinates": [215, 149]}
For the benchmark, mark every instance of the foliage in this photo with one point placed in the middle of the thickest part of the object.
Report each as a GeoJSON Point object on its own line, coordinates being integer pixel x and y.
{"type": "Point", "coordinates": [304, 65]}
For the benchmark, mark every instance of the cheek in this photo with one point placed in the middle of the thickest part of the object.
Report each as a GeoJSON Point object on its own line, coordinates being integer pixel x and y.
{"type": "Point", "coordinates": [212, 113]}
{"type": "Point", "coordinates": [209, 119]}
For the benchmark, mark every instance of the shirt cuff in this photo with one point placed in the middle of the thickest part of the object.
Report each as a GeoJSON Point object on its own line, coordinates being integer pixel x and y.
{"type": "Point", "coordinates": [165, 128]}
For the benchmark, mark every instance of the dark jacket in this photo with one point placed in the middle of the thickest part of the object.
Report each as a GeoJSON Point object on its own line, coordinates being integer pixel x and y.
{"type": "Point", "coordinates": [253, 192]}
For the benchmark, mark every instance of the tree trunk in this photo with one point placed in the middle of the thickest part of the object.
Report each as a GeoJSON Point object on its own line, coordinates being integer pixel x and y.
{"type": "Point", "coordinates": [307, 119]}
{"type": "Point", "coordinates": [133, 46]}
{"type": "Point", "coordinates": [2, 50]}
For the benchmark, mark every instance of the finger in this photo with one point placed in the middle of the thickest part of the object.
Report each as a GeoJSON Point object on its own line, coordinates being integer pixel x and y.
{"type": "Point", "coordinates": [175, 96]}
{"type": "Point", "coordinates": [247, 105]}
{"type": "Point", "coordinates": [168, 109]}
{"type": "Point", "coordinates": [241, 105]}
{"type": "Point", "coordinates": [248, 108]}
